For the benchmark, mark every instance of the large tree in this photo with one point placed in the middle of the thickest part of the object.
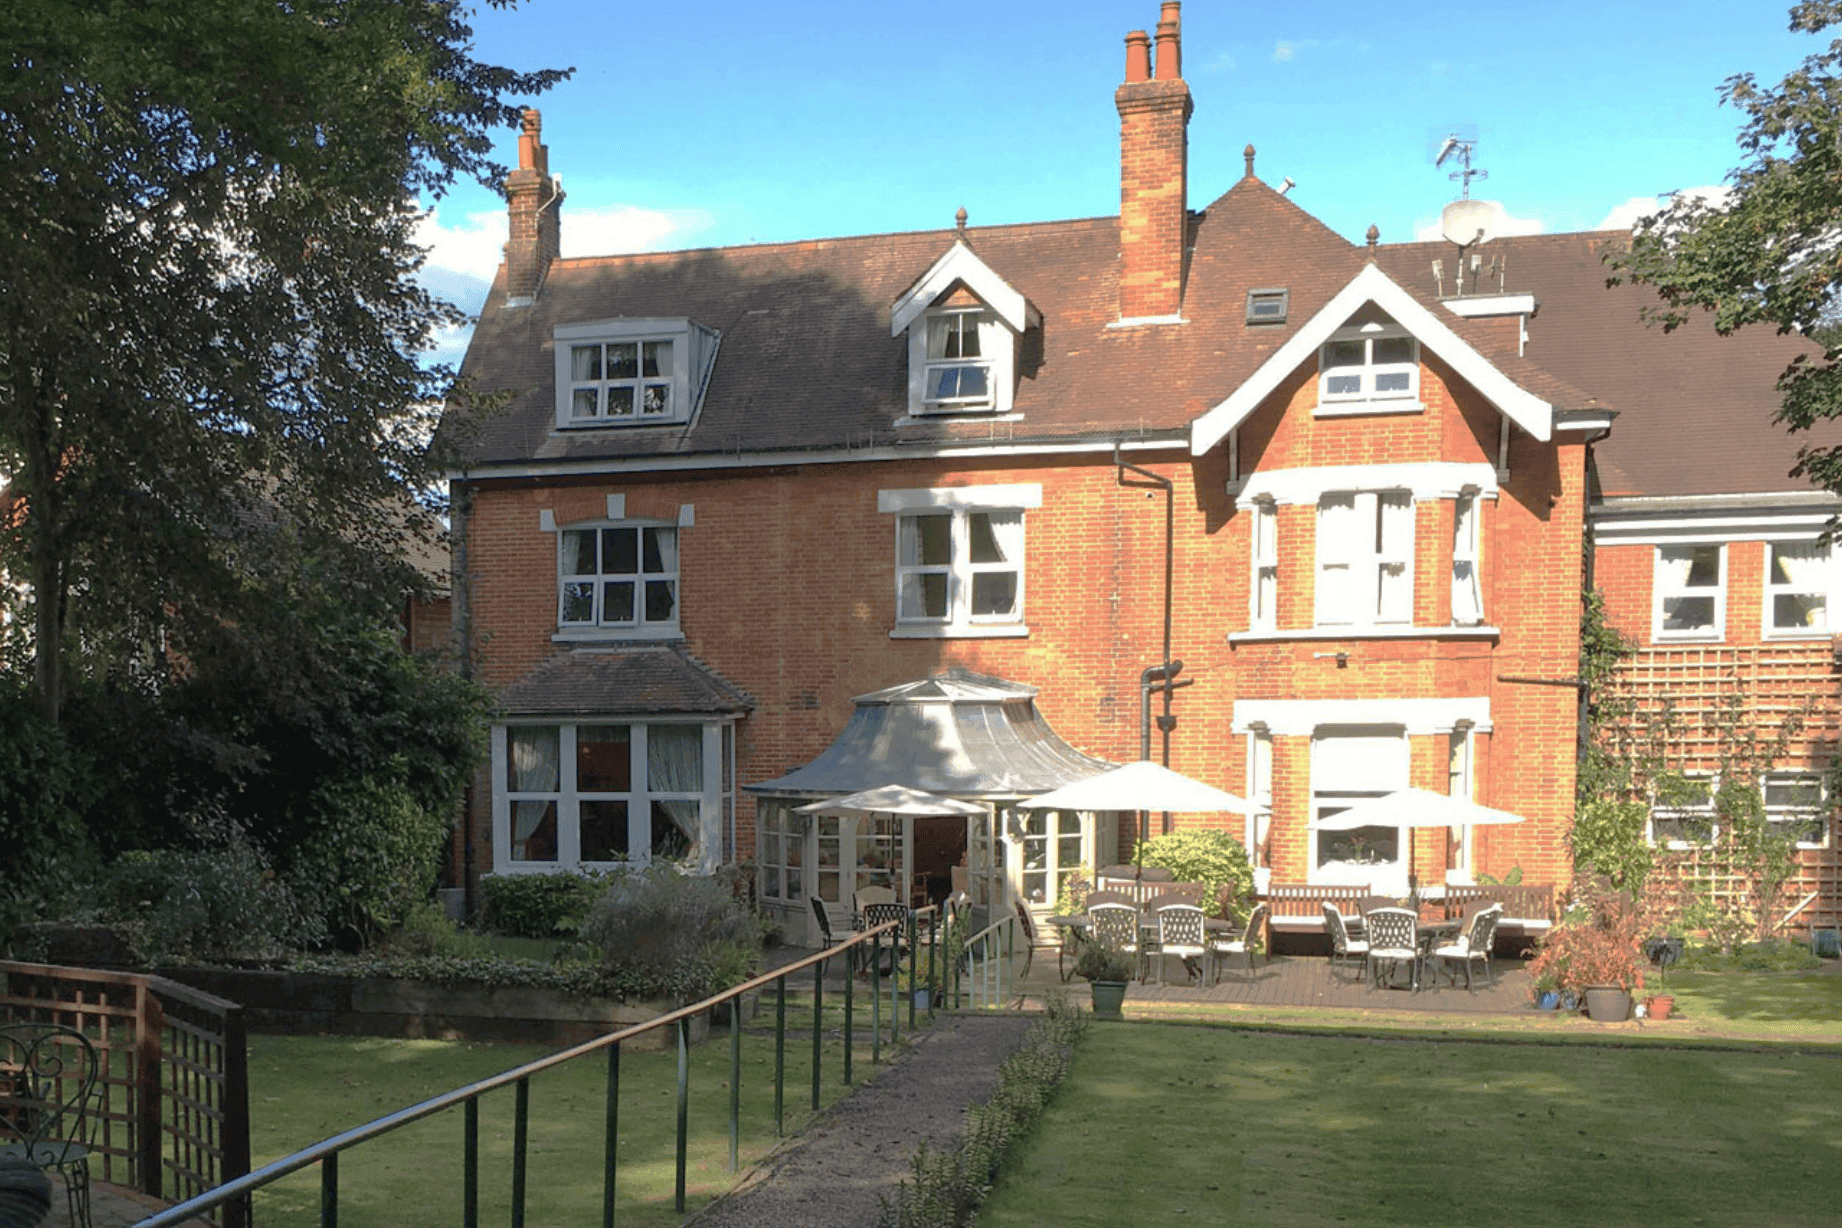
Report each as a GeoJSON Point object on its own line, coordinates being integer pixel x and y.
{"type": "Point", "coordinates": [210, 332]}
{"type": "Point", "coordinates": [1768, 251]}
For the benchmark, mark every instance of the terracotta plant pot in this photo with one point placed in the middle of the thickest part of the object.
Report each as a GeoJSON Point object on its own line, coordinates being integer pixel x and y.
{"type": "Point", "coordinates": [1659, 1006]}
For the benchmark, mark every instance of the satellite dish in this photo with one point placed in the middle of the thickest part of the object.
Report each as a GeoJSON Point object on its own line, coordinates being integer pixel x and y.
{"type": "Point", "coordinates": [1470, 222]}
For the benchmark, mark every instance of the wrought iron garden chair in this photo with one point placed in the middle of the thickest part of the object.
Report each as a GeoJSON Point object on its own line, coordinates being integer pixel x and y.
{"type": "Point", "coordinates": [1394, 937]}
{"type": "Point", "coordinates": [882, 913]}
{"type": "Point", "coordinates": [1343, 948]}
{"type": "Point", "coordinates": [1115, 924]}
{"type": "Point", "coordinates": [1473, 945]}
{"type": "Point", "coordinates": [48, 1078]}
{"type": "Point", "coordinates": [1181, 933]}
{"type": "Point", "coordinates": [1223, 948]}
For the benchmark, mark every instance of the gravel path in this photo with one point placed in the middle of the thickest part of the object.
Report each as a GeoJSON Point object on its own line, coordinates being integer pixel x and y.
{"type": "Point", "coordinates": [831, 1175]}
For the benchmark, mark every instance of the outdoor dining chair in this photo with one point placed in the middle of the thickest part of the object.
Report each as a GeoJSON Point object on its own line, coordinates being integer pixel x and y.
{"type": "Point", "coordinates": [48, 1078]}
{"type": "Point", "coordinates": [1026, 927]}
{"type": "Point", "coordinates": [1222, 948]}
{"type": "Point", "coordinates": [1181, 933]}
{"type": "Point", "coordinates": [1473, 945]}
{"type": "Point", "coordinates": [1343, 948]}
{"type": "Point", "coordinates": [1115, 924]}
{"type": "Point", "coordinates": [881, 913]}
{"type": "Point", "coordinates": [1394, 936]}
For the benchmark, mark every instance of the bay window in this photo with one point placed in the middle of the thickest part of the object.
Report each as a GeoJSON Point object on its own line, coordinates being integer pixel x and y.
{"type": "Point", "coordinates": [1365, 558]}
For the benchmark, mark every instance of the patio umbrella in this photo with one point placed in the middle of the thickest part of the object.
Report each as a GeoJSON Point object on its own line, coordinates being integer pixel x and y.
{"type": "Point", "coordinates": [1414, 808]}
{"type": "Point", "coordinates": [1143, 785]}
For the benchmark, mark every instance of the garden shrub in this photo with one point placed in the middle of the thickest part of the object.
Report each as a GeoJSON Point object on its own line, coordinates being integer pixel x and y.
{"type": "Point", "coordinates": [426, 932]}
{"type": "Point", "coordinates": [205, 906]}
{"type": "Point", "coordinates": [672, 935]}
{"type": "Point", "coordinates": [1777, 955]}
{"type": "Point", "coordinates": [1213, 858]}
{"type": "Point", "coordinates": [540, 905]}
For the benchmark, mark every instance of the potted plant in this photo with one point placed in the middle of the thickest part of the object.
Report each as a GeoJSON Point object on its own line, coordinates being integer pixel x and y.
{"type": "Point", "coordinates": [1107, 970]}
{"type": "Point", "coordinates": [1597, 952]}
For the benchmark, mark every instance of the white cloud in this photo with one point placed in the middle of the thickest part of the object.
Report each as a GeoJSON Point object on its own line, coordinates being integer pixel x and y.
{"type": "Point", "coordinates": [472, 247]}
{"type": "Point", "coordinates": [1286, 49]}
{"type": "Point", "coordinates": [1503, 223]}
{"type": "Point", "coordinates": [1625, 216]}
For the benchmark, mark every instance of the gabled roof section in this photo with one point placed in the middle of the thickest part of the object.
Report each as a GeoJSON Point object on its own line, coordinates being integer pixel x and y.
{"type": "Point", "coordinates": [1371, 285]}
{"type": "Point", "coordinates": [642, 680]}
{"type": "Point", "coordinates": [962, 264]}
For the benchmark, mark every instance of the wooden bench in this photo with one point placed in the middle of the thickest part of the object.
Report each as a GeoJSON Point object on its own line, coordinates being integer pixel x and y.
{"type": "Point", "coordinates": [1300, 906]}
{"type": "Point", "coordinates": [1139, 892]}
{"type": "Point", "coordinates": [1526, 909]}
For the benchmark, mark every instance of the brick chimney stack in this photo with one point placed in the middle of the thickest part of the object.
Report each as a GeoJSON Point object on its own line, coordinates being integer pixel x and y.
{"type": "Point", "coordinates": [1154, 116]}
{"type": "Point", "coordinates": [533, 200]}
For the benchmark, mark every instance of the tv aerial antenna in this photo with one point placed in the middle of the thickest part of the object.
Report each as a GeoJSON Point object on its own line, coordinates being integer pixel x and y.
{"type": "Point", "coordinates": [1465, 222]}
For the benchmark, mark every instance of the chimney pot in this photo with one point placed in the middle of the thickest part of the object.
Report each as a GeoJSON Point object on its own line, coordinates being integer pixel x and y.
{"type": "Point", "coordinates": [1138, 56]}
{"type": "Point", "coordinates": [1170, 55]}
{"type": "Point", "coordinates": [533, 198]}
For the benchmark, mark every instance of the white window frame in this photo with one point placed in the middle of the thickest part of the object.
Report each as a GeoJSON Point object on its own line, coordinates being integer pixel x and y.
{"type": "Point", "coordinates": [1038, 840]}
{"type": "Point", "coordinates": [1384, 877]}
{"type": "Point", "coordinates": [997, 358]}
{"type": "Point", "coordinates": [1365, 575]}
{"type": "Point", "coordinates": [1263, 577]}
{"type": "Point", "coordinates": [1260, 793]}
{"type": "Point", "coordinates": [599, 582]}
{"type": "Point", "coordinates": [959, 505]}
{"type": "Point", "coordinates": [1664, 591]}
{"type": "Point", "coordinates": [675, 377]}
{"type": "Point", "coordinates": [1467, 563]}
{"type": "Point", "coordinates": [1375, 381]}
{"type": "Point", "coordinates": [1784, 812]}
{"type": "Point", "coordinates": [1461, 760]}
{"type": "Point", "coordinates": [1820, 583]}
{"type": "Point", "coordinates": [1704, 813]}
{"type": "Point", "coordinates": [714, 796]}
{"type": "Point", "coordinates": [1699, 811]}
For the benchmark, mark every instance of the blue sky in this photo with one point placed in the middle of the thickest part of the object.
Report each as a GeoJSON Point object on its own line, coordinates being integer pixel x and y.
{"type": "Point", "coordinates": [730, 121]}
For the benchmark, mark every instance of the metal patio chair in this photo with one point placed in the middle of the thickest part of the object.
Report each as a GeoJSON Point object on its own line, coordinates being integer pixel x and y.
{"type": "Point", "coordinates": [1223, 948]}
{"type": "Point", "coordinates": [882, 913]}
{"type": "Point", "coordinates": [1394, 937]}
{"type": "Point", "coordinates": [1115, 924]}
{"type": "Point", "coordinates": [1473, 945]}
{"type": "Point", "coordinates": [1343, 948]}
{"type": "Point", "coordinates": [1181, 932]}
{"type": "Point", "coordinates": [48, 1076]}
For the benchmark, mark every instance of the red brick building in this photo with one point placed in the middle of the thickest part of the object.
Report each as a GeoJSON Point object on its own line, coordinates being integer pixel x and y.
{"type": "Point", "coordinates": [761, 524]}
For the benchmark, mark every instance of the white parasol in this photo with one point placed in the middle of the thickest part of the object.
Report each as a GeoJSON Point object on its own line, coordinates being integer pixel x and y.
{"type": "Point", "coordinates": [1143, 785]}
{"type": "Point", "coordinates": [1414, 808]}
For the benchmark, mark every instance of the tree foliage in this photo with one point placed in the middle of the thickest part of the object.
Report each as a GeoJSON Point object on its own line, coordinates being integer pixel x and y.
{"type": "Point", "coordinates": [1770, 251]}
{"type": "Point", "coordinates": [208, 320]}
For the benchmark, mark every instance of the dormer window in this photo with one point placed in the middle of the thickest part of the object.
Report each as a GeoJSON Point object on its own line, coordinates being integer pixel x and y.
{"type": "Point", "coordinates": [638, 372]}
{"type": "Point", "coordinates": [963, 323]}
{"type": "Point", "coordinates": [961, 348]}
{"type": "Point", "coordinates": [1372, 367]}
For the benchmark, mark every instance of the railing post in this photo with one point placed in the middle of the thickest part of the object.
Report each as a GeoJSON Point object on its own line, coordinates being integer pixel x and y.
{"type": "Point", "coordinates": [780, 1056]}
{"type": "Point", "coordinates": [735, 1082]}
{"type": "Point", "coordinates": [470, 1164]}
{"type": "Point", "coordinates": [876, 1002]}
{"type": "Point", "coordinates": [234, 1132]}
{"type": "Point", "coordinates": [149, 1044]}
{"type": "Point", "coordinates": [849, 1011]}
{"type": "Point", "coordinates": [684, 1105]}
{"type": "Point", "coordinates": [329, 1191]}
{"type": "Point", "coordinates": [818, 1024]}
{"type": "Point", "coordinates": [521, 1118]}
{"type": "Point", "coordinates": [611, 1146]}
{"type": "Point", "coordinates": [914, 962]}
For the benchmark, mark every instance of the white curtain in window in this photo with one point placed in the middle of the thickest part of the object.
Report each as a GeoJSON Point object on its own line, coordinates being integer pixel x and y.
{"type": "Point", "coordinates": [1467, 597]}
{"type": "Point", "coordinates": [1673, 569]}
{"type": "Point", "coordinates": [536, 762]}
{"type": "Point", "coordinates": [1006, 537]}
{"type": "Point", "coordinates": [1339, 532]}
{"type": "Point", "coordinates": [675, 764]}
{"type": "Point", "coordinates": [666, 540]}
{"type": "Point", "coordinates": [1394, 586]}
{"type": "Point", "coordinates": [1800, 568]}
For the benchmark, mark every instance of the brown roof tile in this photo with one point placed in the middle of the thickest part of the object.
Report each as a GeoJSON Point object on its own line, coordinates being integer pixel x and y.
{"type": "Point", "coordinates": [652, 678]}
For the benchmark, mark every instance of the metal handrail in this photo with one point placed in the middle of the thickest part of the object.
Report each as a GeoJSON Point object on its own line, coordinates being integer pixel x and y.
{"type": "Point", "coordinates": [326, 1152]}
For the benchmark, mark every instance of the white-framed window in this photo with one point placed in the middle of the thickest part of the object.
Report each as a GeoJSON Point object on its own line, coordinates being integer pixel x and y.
{"type": "Point", "coordinates": [1051, 845]}
{"type": "Point", "coordinates": [618, 575]}
{"type": "Point", "coordinates": [961, 360]}
{"type": "Point", "coordinates": [1685, 815]}
{"type": "Point", "coordinates": [1459, 777]}
{"type": "Point", "coordinates": [1690, 593]}
{"type": "Point", "coordinates": [1349, 764]}
{"type": "Point", "coordinates": [601, 794]}
{"type": "Point", "coordinates": [1260, 793]}
{"type": "Point", "coordinates": [1365, 559]}
{"type": "Point", "coordinates": [1370, 367]}
{"type": "Point", "coordinates": [780, 849]}
{"type": "Point", "coordinates": [1799, 577]}
{"type": "Point", "coordinates": [960, 567]}
{"type": "Point", "coordinates": [1263, 582]}
{"type": "Point", "coordinates": [1799, 801]}
{"type": "Point", "coordinates": [630, 372]}
{"type": "Point", "coordinates": [1467, 588]}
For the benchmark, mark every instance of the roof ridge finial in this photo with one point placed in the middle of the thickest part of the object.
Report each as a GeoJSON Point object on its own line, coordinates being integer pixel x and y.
{"type": "Point", "coordinates": [959, 219]}
{"type": "Point", "coordinates": [1374, 236]}
{"type": "Point", "coordinates": [1248, 153]}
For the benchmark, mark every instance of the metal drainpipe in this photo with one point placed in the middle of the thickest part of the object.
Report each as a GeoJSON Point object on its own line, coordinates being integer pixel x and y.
{"type": "Point", "coordinates": [1166, 673]}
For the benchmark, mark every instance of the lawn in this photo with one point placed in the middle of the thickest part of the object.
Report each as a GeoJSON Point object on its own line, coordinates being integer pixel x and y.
{"type": "Point", "coordinates": [1162, 1123]}
{"type": "Point", "coordinates": [306, 1088]}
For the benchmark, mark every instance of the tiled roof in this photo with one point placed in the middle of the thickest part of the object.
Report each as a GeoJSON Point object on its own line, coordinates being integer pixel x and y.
{"type": "Point", "coordinates": [1694, 408]}
{"type": "Point", "coordinates": [652, 678]}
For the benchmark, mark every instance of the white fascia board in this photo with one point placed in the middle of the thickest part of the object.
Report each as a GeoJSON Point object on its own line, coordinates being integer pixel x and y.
{"type": "Point", "coordinates": [1008, 495]}
{"type": "Point", "coordinates": [1716, 522]}
{"type": "Point", "coordinates": [1428, 480]}
{"type": "Point", "coordinates": [1524, 408]}
{"type": "Point", "coordinates": [1491, 305]}
{"type": "Point", "coordinates": [1303, 717]}
{"type": "Point", "coordinates": [961, 264]}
